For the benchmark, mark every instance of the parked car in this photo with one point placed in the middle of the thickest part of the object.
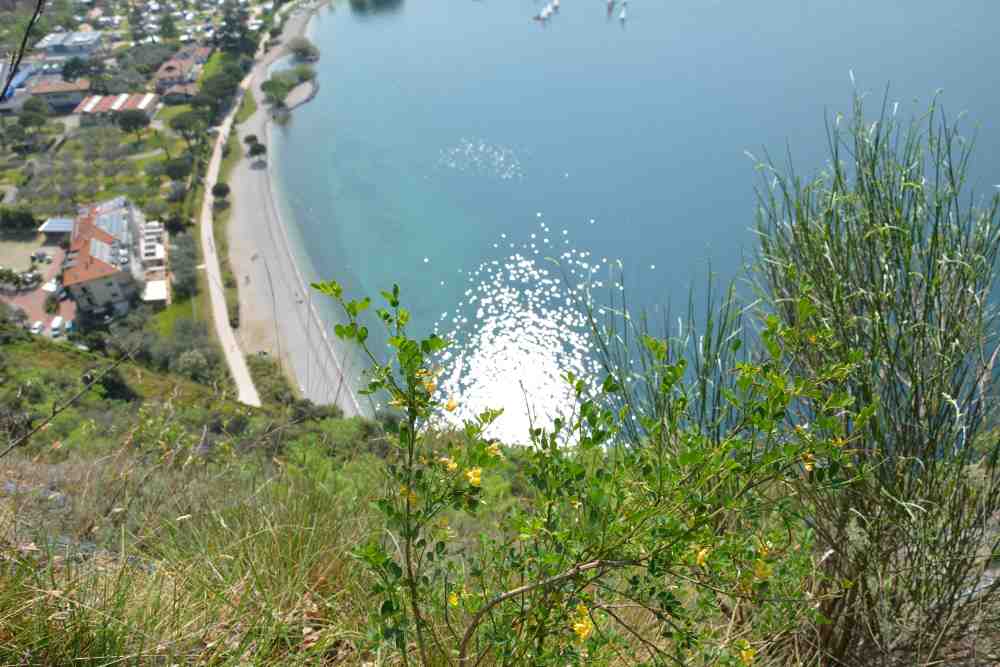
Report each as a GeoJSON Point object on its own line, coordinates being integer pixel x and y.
{"type": "Point", "coordinates": [56, 327]}
{"type": "Point", "coordinates": [37, 327]}
{"type": "Point", "coordinates": [70, 326]}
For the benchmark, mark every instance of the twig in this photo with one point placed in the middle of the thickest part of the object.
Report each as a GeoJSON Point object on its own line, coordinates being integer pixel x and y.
{"type": "Point", "coordinates": [15, 58]}
{"type": "Point", "coordinates": [69, 402]}
{"type": "Point", "coordinates": [574, 571]}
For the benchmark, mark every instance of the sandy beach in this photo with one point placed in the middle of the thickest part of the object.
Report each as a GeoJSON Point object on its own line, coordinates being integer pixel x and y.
{"type": "Point", "coordinates": [277, 314]}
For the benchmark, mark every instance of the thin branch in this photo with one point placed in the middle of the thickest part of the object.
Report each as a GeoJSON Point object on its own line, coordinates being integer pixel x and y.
{"type": "Point", "coordinates": [56, 410]}
{"type": "Point", "coordinates": [15, 57]}
{"type": "Point", "coordinates": [574, 571]}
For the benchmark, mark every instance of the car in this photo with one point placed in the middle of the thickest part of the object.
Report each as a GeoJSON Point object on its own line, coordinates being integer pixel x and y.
{"type": "Point", "coordinates": [56, 327]}
{"type": "Point", "coordinates": [38, 327]}
{"type": "Point", "coordinates": [70, 327]}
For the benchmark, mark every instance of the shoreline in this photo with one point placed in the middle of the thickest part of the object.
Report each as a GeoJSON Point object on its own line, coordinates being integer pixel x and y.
{"type": "Point", "coordinates": [259, 231]}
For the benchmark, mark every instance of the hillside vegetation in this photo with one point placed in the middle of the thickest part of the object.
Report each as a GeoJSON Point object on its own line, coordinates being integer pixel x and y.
{"type": "Point", "coordinates": [808, 480]}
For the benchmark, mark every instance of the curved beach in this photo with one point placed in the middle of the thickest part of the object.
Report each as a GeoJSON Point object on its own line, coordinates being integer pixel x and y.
{"type": "Point", "coordinates": [277, 313]}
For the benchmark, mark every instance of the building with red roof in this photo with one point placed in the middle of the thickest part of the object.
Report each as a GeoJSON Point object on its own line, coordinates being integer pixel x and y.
{"type": "Point", "coordinates": [100, 269]}
{"type": "Point", "coordinates": [102, 108]}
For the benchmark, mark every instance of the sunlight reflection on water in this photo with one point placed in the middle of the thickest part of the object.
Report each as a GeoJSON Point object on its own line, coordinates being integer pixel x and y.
{"type": "Point", "coordinates": [516, 333]}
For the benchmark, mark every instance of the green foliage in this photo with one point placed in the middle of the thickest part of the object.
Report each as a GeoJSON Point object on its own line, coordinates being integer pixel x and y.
{"type": "Point", "coordinates": [132, 120]}
{"type": "Point", "coordinates": [270, 380]}
{"type": "Point", "coordinates": [888, 250]}
{"type": "Point", "coordinates": [78, 68]}
{"type": "Point", "coordinates": [220, 190]}
{"type": "Point", "coordinates": [191, 126]}
{"type": "Point", "coordinates": [277, 88]}
{"type": "Point", "coordinates": [233, 36]}
{"type": "Point", "coordinates": [17, 218]}
{"type": "Point", "coordinates": [183, 263]}
{"type": "Point", "coordinates": [216, 92]}
{"type": "Point", "coordinates": [35, 105]}
{"type": "Point", "coordinates": [144, 59]}
{"type": "Point", "coordinates": [178, 169]}
{"type": "Point", "coordinates": [676, 526]}
{"type": "Point", "coordinates": [257, 150]}
{"type": "Point", "coordinates": [303, 49]}
{"type": "Point", "coordinates": [168, 28]}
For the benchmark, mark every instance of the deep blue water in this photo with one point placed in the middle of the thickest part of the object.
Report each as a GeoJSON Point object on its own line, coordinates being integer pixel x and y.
{"type": "Point", "coordinates": [446, 134]}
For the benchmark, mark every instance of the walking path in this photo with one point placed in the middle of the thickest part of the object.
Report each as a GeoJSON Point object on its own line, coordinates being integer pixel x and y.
{"type": "Point", "coordinates": [238, 369]}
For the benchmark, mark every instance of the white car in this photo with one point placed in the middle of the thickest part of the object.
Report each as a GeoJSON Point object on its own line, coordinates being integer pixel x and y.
{"type": "Point", "coordinates": [38, 327]}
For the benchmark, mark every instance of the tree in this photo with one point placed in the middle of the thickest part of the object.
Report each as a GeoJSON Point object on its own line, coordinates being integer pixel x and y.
{"type": "Point", "coordinates": [258, 150]}
{"type": "Point", "coordinates": [19, 218]}
{"type": "Point", "coordinates": [217, 91]}
{"type": "Point", "coordinates": [303, 49]}
{"type": "Point", "coordinates": [233, 35]}
{"type": "Point", "coordinates": [183, 263]}
{"type": "Point", "coordinates": [75, 68]}
{"type": "Point", "coordinates": [178, 169]}
{"type": "Point", "coordinates": [220, 190]}
{"type": "Point", "coordinates": [136, 23]}
{"type": "Point", "coordinates": [133, 120]}
{"type": "Point", "coordinates": [250, 139]}
{"type": "Point", "coordinates": [168, 28]}
{"type": "Point", "coordinates": [35, 105]}
{"type": "Point", "coordinates": [193, 364]}
{"type": "Point", "coordinates": [31, 119]}
{"type": "Point", "coordinates": [190, 125]}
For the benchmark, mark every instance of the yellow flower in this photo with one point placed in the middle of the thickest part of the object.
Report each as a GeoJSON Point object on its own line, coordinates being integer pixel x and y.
{"type": "Point", "coordinates": [430, 386]}
{"type": "Point", "coordinates": [808, 461]}
{"type": "Point", "coordinates": [408, 493]}
{"type": "Point", "coordinates": [451, 405]}
{"type": "Point", "coordinates": [761, 569]}
{"type": "Point", "coordinates": [702, 556]}
{"type": "Point", "coordinates": [453, 599]}
{"type": "Point", "coordinates": [448, 463]}
{"type": "Point", "coordinates": [397, 402]}
{"type": "Point", "coordinates": [474, 475]}
{"type": "Point", "coordinates": [494, 450]}
{"type": "Point", "coordinates": [764, 548]}
{"type": "Point", "coordinates": [747, 655]}
{"type": "Point", "coordinates": [576, 504]}
{"type": "Point", "coordinates": [582, 625]}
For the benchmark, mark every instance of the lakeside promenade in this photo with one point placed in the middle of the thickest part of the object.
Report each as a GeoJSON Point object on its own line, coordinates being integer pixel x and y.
{"type": "Point", "coordinates": [277, 314]}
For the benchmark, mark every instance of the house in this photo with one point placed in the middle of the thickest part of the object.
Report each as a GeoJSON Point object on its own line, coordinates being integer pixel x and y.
{"type": "Point", "coordinates": [174, 72]}
{"type": "Point", "coordinates": [70, 44]}
{"type": "Point", "coordinates": [183, 68]}
{"type": "Point", "coordinates": [180, 94]}
{"type": "Point", "coordinates": [113, 254]}
{"type": "Point", "coordinates": [101, 270]}
{"type": "Point", "coordinates": [97, 109]}
{"type": "Point", "coordinates": [59, 95]}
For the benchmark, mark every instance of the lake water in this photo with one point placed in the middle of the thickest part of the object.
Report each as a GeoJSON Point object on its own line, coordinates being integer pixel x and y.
{"type": "Point", "coordinates": [455, 147]}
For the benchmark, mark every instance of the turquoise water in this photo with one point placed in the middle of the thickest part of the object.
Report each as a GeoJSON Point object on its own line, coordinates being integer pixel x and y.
{"type": "Point", "coordinates": [454, 146]}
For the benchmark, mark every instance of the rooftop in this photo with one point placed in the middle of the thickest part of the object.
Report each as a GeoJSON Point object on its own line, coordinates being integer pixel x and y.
{"type": "Point", "coordinates": [57, 226]}
{"type": "Point", "coordinates": [116, 103]}
{"type": "Point", "coordinates": [51, 85]}
{"type": "Point", "coordinates": [155, 290]}
{"type": "Point", "coordinates": [101, 242]}
{"type": "Point", "coordinates": [68, 40]}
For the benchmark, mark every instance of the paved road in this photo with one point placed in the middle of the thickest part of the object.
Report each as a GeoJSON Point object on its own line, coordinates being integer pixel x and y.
{"type": "Point", "coordinates": [238, 369]}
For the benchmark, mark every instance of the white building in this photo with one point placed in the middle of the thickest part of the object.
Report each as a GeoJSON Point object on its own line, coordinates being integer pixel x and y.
{"type": "Point", "coordinates": [104, 266]}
